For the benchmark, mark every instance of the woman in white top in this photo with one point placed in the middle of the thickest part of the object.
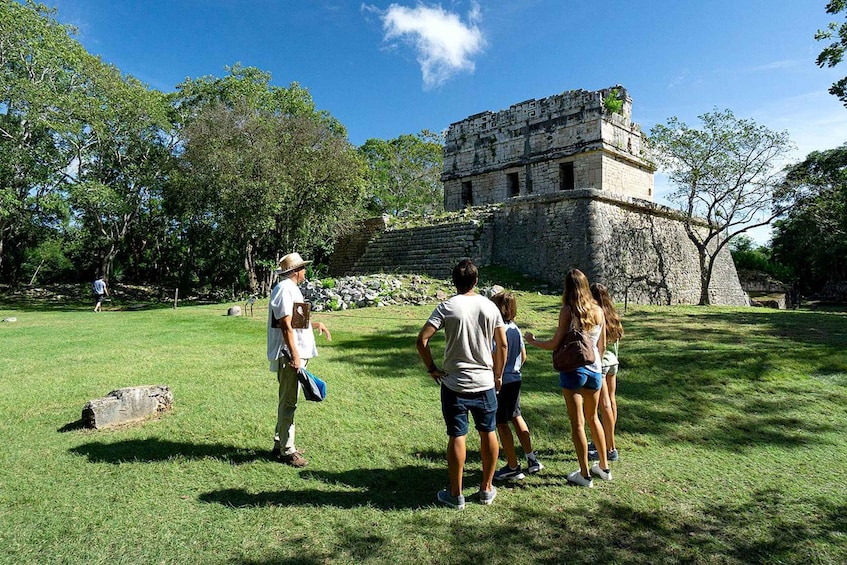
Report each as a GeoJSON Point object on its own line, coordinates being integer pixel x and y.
{"type": "Point", "coordinates": [581, 387]}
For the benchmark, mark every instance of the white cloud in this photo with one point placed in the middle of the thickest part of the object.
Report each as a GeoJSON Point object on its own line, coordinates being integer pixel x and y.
{"type": "Point", "coordinates": [443, 43]}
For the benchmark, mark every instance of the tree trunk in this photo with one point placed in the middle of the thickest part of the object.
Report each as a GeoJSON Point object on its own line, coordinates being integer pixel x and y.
{"type": "Point", "coordinates": [706, 264]}
{"type": "Point", "coordinates": [250, 267]}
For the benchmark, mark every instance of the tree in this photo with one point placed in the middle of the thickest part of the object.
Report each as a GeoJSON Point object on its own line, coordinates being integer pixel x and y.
{"type": "Point", "coordinates": [122, 156]}
{"type": "Point", "coordinates": [725, 174]}
{"type": "Point", "coordinates": [812, 238]}
{"type": "Point", "coordinates": [262, 171]}
{"type": "Point", "coordinates": [38, 61]}
{"type": "Point", "coordinates": [834, 52]}
{"type": "Point", "coordinates": [404, 174]}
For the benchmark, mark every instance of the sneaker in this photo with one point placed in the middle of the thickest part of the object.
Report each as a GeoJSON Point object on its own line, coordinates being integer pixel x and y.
{"type": "Point", "coordinates": [591, 446]}
{"type": "Point", "coordinates": [600, 473]}
{"type": "Point", "coordinates": [593, 455]}
{"type": "Point", "coordinates": [577, 479]}
{"type": "Point", "coordinates": [447, 499]}
{"type": "Point", "coordinates": [293, 459]}
{"type": "Point", "coordinates": [507, 473]}
{"type": "Point", "coordinates": [612, 455]}
{"type": "Point", "coordinates": [487, 497]}
{"type": "Point", "coordinates": [533, 466]}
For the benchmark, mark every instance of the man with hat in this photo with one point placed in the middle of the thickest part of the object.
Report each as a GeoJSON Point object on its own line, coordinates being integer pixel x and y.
{"type": "Point", "coordinates": [291, 343]}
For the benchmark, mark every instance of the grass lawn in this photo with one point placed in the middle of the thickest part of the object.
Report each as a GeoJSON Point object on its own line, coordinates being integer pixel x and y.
{"type": "Point", "coordinates": [732, 434]}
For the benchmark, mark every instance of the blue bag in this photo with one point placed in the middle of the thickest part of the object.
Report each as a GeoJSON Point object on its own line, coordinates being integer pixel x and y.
{"type": "Point", "coordinates": [314, 389]}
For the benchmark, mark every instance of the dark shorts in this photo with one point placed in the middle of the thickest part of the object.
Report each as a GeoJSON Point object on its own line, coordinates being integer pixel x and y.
{"type": "Point", "coordinates": [509, 402]}
{"type": "Point", "coordinates": [98, 297]}
{"type": "Point", "coordinates": [456, 405]}
{"type": "Point", "coordinates": [580, 378]}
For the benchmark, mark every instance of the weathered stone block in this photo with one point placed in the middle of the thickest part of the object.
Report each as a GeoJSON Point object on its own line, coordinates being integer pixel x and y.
{"type": "Point", "coordinates": [127, 405]}
{"type": "Point", "coordinates": [234, 311]}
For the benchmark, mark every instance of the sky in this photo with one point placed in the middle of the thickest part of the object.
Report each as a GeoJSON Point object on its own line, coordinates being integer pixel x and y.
{"type": "Point", "coordinates": [385, 69]}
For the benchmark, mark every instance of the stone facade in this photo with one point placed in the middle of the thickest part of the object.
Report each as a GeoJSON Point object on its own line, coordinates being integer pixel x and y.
{"type": "Point", "coordinates": [569, 141]}
{"type": "Point", "coordinates": [638, 249]}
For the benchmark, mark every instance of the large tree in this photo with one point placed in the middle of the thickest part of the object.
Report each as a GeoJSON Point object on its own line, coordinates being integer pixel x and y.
{"type": "Point", "coordinates": [725, 173]}
{"type": "Point", "coordinates": [122, 155]}
{"type": "Point", "coordinates": [834, 52]}
{"type": "Point", "coordinates": [262, 171]}
{"type": "Point", "coordinates": [38, 75]}
{"type": "Point", "coordinates": [404, 174]}
{"type": "Point", "coordinates": [812, 238]}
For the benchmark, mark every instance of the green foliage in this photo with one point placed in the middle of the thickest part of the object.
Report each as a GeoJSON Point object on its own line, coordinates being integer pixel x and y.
{"type": "Point", "coordinates": [404, 174]}
{"type": "Point", "coordinates": [328, 283]}
{"type": "Point", "coordinates": [613, 103]}
{"type": "Point", "coordinates": [747, 256]}
{"type": "Point", "coordinates": [724, 172]}
{"type": "Point", "coordinates": [812, 236]}
{"type": "Point", "coordinates": [833, 53]}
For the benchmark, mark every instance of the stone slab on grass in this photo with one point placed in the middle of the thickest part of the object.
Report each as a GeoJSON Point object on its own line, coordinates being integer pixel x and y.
{"type": "Point", "coordinates": [126, 405]}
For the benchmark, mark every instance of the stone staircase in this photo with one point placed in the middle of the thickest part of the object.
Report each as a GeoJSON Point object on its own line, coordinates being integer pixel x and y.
{"type": "Point", "coordinates": [428, 250]}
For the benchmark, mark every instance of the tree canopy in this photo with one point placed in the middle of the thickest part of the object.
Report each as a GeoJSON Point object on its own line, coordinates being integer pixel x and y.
{"type": "Point", "coordinates": [833, 53]}
{"type": "Point", "coordinates": [812, 237]}
{"type": "Point", "coordinates": [404, 174]}
{"type": "Point", "coordinates": [206, 186]}
{"type": "Point", "coordinates": [724, 172]}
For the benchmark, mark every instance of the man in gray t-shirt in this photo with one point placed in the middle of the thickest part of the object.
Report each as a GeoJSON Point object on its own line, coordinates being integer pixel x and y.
{"type": "Point", "coordinates": [469, 379]}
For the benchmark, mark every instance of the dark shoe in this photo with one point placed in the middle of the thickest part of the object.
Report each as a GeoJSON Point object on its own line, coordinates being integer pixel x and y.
{"type": "Point", "coordinates": [507, 473]}
{"type": "Point", "coordinates": [533, 466]}
{"type": "Point", "coordinates": [593, 455]}
{"type": "Point", "coordinates": [293, 459]}
{"type": "Point", "coordinates": [613, 455]}
{"type": "Point", "coordinates": [447, 499]}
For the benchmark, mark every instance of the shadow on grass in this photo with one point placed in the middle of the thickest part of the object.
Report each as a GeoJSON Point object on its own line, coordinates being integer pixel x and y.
{"type": "Point", "coordinates": [154, 449]}
{"type": "Point", "coordinates": [584, 531]}
{"type": "Point", "coordinates": [408, 487]}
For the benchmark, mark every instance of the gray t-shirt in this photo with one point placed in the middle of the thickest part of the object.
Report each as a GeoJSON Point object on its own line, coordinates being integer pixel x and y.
{"type": "Point", "coordinates": [469, 322]}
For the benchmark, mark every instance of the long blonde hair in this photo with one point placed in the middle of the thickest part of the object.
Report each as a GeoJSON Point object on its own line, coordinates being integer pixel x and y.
{"type": "Point", "coordinates": [614, 328]}
{"type": "Point", "coordinates": [578, 297]}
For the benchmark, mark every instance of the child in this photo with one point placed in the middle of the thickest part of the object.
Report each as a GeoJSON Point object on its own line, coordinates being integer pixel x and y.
{"type": "Point", "coordinates": [509, 397]}
{"type": "Point", "coordinates": [608, 403]}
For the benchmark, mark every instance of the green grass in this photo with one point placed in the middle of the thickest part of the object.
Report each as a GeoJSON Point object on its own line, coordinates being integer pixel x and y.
{"type": "Point", "coordinates": [733, 440]}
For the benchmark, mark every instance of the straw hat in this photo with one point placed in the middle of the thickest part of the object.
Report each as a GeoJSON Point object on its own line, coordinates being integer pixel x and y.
{"type": "Point", "coordinates": [291, 262]}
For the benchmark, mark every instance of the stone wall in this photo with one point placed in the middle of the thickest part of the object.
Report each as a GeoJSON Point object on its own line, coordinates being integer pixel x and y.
{"type": "Point", "coordinates": [638, 249]}
{"type": "Point", "coordinates": [563, 142]}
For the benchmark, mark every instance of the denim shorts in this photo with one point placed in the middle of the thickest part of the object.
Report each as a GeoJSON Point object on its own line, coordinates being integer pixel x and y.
{"type": "Point", "coordinates": [456, 405]}
{"type": "Point", "coordinates": [580, 378]}
{"type": "Point", "coordinates": [509, 402]}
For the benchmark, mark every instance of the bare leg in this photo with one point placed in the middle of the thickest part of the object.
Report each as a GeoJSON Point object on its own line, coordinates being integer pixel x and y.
{"type": "Point", "coordinates": [573, 400]}
{"type": "Point", "coordinates": [489, 450]}
{"type": "Point", "coordinates": [456, 453]}
{"type": "Point", "coordinates": [508, 441]}
{"type": "Point", "coordinates": [610, 421]}
{"type": "Point", "coordinates": [592, 397]}
{"type": "Point", "coordinates": [607, 415]}
{"type": "Point", "coordinates": [523, 434]}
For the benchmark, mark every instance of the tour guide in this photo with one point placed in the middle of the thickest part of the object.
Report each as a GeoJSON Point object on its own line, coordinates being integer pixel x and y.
{"type": "Point", "coordinates": [291, 343]}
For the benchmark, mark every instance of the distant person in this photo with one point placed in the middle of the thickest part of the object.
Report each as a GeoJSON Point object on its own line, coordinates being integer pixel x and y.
{"type": "Point", "coordinates": [291, 343]}
{"type": "Point", "coordinates": [609, 367]}
{"type": "Point", "coordinates": [469, 379]}
{"type": "Point", "coordinates": [509, 397]}
{"type": "Point", "coordinates": [581, 387]}
{"type": "Point", "coordinates": [100, 290]}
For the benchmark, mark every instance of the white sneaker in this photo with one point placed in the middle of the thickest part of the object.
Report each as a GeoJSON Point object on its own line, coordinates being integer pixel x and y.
{"type": "Point", "coordinates": [577, 479]}
{"type": "Point", "coordinates": [600, 473]}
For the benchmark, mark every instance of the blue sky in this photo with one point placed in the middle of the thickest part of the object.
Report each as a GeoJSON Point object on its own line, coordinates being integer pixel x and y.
{"type": "Point", "coordinates": [389, 68]}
